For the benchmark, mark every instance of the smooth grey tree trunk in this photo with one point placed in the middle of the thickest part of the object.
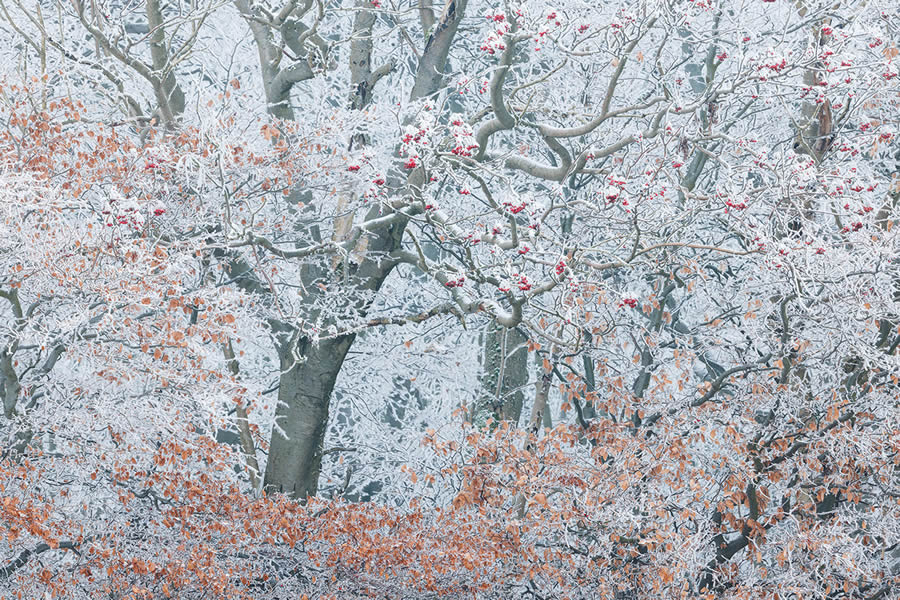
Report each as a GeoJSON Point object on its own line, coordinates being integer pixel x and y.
{"type": "Point", "coordinates": [309, 370]}
{"type": "Point", "coordinates": [504, 364]}
{"type": "Point", "coordinates": [306, 383]}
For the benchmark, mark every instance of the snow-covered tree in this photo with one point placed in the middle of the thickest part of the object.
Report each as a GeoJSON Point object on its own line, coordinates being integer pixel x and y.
{"type": "Point", "coordinates": [629, 269]}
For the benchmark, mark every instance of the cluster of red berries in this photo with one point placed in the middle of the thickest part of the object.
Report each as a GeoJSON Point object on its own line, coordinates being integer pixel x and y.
{"type": "Point", "coordinates": [514, 208]}
{"type": "Point", "coordinates": [778, 67]}
{"type": "Point", "coordinates": [464, 150]}
{"type": "Point", "coordinates": [854, 227]}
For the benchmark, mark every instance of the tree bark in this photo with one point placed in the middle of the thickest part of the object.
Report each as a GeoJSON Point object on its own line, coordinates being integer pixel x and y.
{"type": "Point", "coordinates": [309, 370]}
{"type": "Point", "coordinates": [295, 458]}
{"type": "Point", "coordinates": [504, 373]}
{"type": "Point", "coordinates": [169, 94]}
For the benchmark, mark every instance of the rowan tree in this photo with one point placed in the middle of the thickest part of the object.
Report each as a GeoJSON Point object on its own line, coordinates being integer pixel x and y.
{"type": "Point", "coordinates": [581, 301]}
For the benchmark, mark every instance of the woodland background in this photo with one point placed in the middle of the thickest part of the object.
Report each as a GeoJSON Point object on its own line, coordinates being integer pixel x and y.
{"type": "Point", "coordinates": [475, 299]}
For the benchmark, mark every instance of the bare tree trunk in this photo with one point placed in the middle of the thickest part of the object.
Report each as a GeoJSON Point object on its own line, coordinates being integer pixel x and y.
{"type": "Point", "coordinates": [540, 412]}
{"type": "Point", "coordinates": [169, 95]}
{"type": "Point", "coordinates": [504, 373]}
{"type": "Point", "coordinates": [308, 373]}
{"type": "Point", "coordinates": [310, 370]}
{"type": "Point", "coordinates": [295, 458]}
{"type": "Point", "coordinates": [245, 436]}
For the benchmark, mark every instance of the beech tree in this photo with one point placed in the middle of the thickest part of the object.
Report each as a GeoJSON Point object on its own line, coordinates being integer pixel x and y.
{"type": "Point", "coordinates": [588, 300]}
